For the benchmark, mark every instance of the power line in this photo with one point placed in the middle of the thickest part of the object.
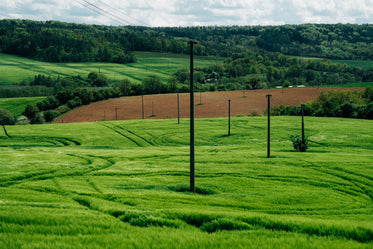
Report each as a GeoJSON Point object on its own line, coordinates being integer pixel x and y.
{"type": "Point", "coordinates": [99, 10]}
{"type": "Point", "coordinates": [108, 14]}
{"type": "Point", "coordinates": [123, 13]}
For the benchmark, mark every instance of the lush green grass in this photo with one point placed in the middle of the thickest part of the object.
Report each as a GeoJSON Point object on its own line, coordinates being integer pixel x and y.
{"type": "Point", "coordinates": [14, 69]}
{"type": "Point", "coordinates": [355, 63]}
{"type": "Point", "coordinates": [122, 184]}
{"type": "Point", "coordinates": [365, 84]}
{"type": "Point", "coordinates": [351, 63]}
{"type": "Point", "coordinates": [17, 105]}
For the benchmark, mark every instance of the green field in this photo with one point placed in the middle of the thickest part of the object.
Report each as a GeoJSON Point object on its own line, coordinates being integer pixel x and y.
{"type": "Point", "coordinates": [365, 84]}
{"type": "Point", "coordinates": [14, 69]}
{"type": "Point", "coordinates": [123, 185]}
{"type": "Point", "coordinates": [355, 63]}
{"type": "Point", "coordinates": [17, 105]}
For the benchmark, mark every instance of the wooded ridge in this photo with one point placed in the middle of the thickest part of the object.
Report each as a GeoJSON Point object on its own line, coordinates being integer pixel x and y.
{"type": "Point", "coordinates": [55, 41]}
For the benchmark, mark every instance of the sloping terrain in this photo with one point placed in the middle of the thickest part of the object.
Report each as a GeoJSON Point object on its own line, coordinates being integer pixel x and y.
{"type": "Point", "coordinates": [208, 104]}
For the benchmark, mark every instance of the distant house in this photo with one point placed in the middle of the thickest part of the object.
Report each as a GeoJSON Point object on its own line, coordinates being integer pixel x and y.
{"type": "Point", "coordinates": [22, 118]}
{"type": "Point", "coordinates": [213, 78]}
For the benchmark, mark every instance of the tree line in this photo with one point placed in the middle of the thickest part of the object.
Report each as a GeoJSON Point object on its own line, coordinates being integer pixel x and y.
{"type": "Point", "coordinates": [346, 104]}
{"type": "Point", "coordinates": [55, 41]}
{"type": "Point", "coordinates": [74, 91]}
{"type": "Point", "coordinates": [255, 70]}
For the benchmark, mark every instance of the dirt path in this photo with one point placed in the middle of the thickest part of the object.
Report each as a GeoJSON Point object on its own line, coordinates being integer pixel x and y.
{"type": "Point", "coordinates": [207, 104]}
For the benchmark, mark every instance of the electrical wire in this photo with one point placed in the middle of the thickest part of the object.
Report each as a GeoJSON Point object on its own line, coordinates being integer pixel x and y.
{"type": "Point", "coordinates": [101, 11]}
{"type": "Point", "coordinates": [117, 9]}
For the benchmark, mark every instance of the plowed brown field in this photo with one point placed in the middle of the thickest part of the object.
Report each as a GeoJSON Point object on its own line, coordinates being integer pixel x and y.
{"type": "Point", "coordinates": [207, 104]}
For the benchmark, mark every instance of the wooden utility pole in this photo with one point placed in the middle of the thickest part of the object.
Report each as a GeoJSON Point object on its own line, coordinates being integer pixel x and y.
{"type": "Point", "coordinates": [142, 100]}
{"type": "Point", "coordinates": [229, 117]}
{"type": "Point", "coordinates": [192, 175]}
{"type": "Point", "coordinates": [178, 107]}
{"type": "Point", "coordinates": [303, 139]}
{"type": "Point", "coordinates": [269, 127]}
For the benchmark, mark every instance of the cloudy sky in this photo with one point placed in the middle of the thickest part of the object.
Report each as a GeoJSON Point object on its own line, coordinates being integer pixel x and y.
{"type": "Point", "coordinates": [190, 12]}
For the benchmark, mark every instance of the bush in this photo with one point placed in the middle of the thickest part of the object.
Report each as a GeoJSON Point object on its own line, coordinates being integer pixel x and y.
{"type": "Point", "coordinates": [62, 109]}
{"type": "Point", "coordinates": [299, 144]}
{"type": "Point", "coordinates": [72, 103]}
{"type": "Point", "coordinates": [6, 117]}
{"type": "Point", "coordinates": [224, 224]}
{"type": "Point", "coordinates": [31, 111]}
{"type": "Point", "coordinates": [37, 119]}
{"type": "Point", "coordinates": [50, 115]}
{"type": "Point", "coordinates": [254, 114]}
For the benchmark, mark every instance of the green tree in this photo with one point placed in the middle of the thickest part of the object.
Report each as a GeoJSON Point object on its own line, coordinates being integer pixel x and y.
{"type": "Point", "coordinates": [125, 87]}
{"type": "Point", "coordinates": [172, 84]}
{"type": "Point", "coordinates": [31, 111]}
{"type": "Point", "coordinates": [153, 84]}
{"type": "Point", "coordinates": [6, 118]}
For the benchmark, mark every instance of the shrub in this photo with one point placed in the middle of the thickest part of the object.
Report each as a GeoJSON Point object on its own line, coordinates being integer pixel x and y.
{"type": "Point", "coordinates": [212, 88]}
{"type": "Point", "coordinates": [143, 220]}
{"type": "Point", "coordinates": [224, 224]}
{"type": "Point", "coordinates": [6, 118]}
{"type": "Point", "coordinates": [31, 111]}
{"type": "Point", "coordinates": [299, 144]}
{"type": "Point", "coordinates": [50, 115]}
{"type": "Point", "coordinates": [62, 109]}
{"type": "Point", "coordinates": [37, 119]}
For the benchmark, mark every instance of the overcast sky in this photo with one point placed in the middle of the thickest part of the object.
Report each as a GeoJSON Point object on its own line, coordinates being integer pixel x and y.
{"type": "Point", "coordinates": [156, 13]}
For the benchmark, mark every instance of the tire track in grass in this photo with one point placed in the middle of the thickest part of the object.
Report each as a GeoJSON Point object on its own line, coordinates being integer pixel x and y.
{"type": "Point", "coordinates": [86, 168]}
{"type": "Point", "coordinates": [32, 141]}
{"type": "Point", "coordinates": [128, 135]}
{"type": "Point", "coordinates": [33, 176]}
{"type": "Point", "coordinates": [147, 142]}
{"type": "Point", "coordinates": [363, 184]}
{"type": "Point", "coordinates": [93, 185]}
{"type": "Point", "coordinates": [140, 137]}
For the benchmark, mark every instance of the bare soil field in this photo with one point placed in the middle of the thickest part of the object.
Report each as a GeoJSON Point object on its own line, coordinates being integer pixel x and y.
{"type": "Point", "coordinates": [207, 104]}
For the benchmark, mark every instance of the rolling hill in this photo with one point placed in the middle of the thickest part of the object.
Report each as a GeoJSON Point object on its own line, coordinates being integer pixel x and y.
{"type": "Point", "coordinates": [14, 69]}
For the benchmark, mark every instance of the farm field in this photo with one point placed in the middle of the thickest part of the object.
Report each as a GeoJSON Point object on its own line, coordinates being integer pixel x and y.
{"type": "Point", "coordinates": [14, 69]}
{"type": "Point", "coordinates": [207, 104]}
{"type": "Point", "coordinates": [355, 63]}
{"type": "Point", "coordinates": [122, 184]}
{"type": "Point", "coordinates": [17, 105]}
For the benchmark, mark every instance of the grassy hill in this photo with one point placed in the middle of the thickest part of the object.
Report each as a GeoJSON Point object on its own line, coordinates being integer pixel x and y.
{"type": "Point", "coordinates": [356, 63]}
{"type": "Point", "coordinates": [14, 69]}
{"type": "Point", "coordinates": [17, 105]}
{"type": "Point", "coordinates": [123, 184]}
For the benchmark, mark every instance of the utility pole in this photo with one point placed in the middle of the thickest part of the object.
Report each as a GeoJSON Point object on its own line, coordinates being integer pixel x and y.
{"type": "Point", "coordinates": [229, 117]}
{"type": "Point", "coordinates": [302, 106]}
{"type": "Point", "coordinates": [269, 127]}
{"type": "Point", "coordinates": [142, 100]}
{"type": "Point", "coordinates": [178, 107]}
{"type": "Point", "coordinates": [192, 175]}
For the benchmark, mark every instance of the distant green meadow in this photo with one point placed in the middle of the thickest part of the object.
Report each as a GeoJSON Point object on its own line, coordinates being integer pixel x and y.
{"type": "Point", "coordinates": [14, 69]}
{"type": "Point", "coordinates": [17, 105]}
{"type": "Point", "coordinates": [365, 84]}
{"type": "Point", "coordinates": [356, 63]}
{"type": "Point", "coordinates": [124, 184]}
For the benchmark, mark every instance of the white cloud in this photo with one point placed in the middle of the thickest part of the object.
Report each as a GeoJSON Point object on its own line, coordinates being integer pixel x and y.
{"type": "Point", "coordinates": [191, 12]}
